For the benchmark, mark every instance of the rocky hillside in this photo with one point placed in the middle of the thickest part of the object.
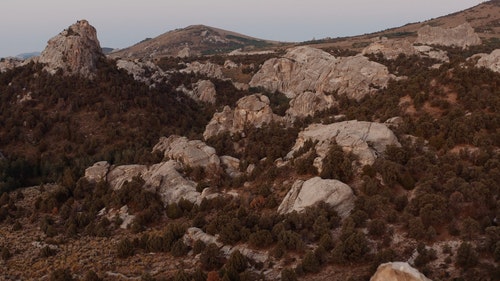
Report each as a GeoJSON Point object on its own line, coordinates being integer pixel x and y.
{"type": "Point", "coordinates": [193, 40]}
{"type": "Point", "coordinates": [372, 163]}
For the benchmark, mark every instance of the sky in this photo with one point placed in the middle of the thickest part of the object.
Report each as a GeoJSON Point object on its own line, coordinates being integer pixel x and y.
{"type": "Point", "coordinates": [27, 25]}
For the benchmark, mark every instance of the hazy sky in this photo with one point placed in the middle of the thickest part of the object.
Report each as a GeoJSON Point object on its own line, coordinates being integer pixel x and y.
{"type": "Point", "coordinates": [27, 25]}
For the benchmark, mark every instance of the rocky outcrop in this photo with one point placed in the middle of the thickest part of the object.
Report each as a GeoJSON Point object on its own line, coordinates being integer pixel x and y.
{"type": "Point", "coordinates": [308, 69]}
{"type": "Point", "coordinates": [253, 110]}
{"type": "Point", "coordinates": [432, 53]}
{"type": "Point", "coordinates": [461, 36]}
{"type": "Point", "coordinates": [203, 90]}
{"type": "Point", "coordinates": [490, 61]}
{"type": "Point", "coordinates": [145, 72]}
{"type": "Point", "coordinates": [164, 179]}
{"type": "Point", "coordinates": [364, 139]}
{"type": "Point", "coordinates": [207, 69]}
{"type": "Point", "coordinates": [231, 166]}
{"type": "Point", "coordinates": [194, 234]}
{"type": "Point", "coordinates": [9, 63]}
{"type": "Point", "coordinates": [192, 153]}
{"type": "Point", "coordinates": [397, 271]}
{"type": "Point", "coordinates": [119, 175]}
{"type": "Point", "coordinates": [307, 193]}
{"type": "Point", "coordinates": [184, 53]}
{"type": "Point", "coordinates": [390, 49]}
{"type": "Point", "coordinates": [97, 172]}
{"type": "Point", "coordinates": [308, 104]}
{"type": "Point", "coordinates": [75, 51]}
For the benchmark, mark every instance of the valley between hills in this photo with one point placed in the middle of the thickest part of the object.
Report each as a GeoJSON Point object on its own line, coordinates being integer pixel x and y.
{"type": "Point", "coordinates": [205, 154]}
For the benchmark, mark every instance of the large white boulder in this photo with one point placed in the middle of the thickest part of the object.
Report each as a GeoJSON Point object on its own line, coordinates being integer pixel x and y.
{"type": "Point", "coordinates": [308, 104]}
{"type": "Point", "coordinates": [192, 153]}
{"type": "Point", "coordinates": [366, 140]}
{"type": "Point", "coordinates": [304, 194]}
{"type": "Point", "coordinates": [97, 172]}
{"type": "Point", "coordinates": [397, 271]}
{"type": "Point", "coordinates": [490, 61]}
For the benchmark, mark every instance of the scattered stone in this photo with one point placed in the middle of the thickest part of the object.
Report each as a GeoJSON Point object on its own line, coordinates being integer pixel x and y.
{"type": "Point", "coordinates": [145, 72]}
{"type": "Point", "coordinates": [203, 90]}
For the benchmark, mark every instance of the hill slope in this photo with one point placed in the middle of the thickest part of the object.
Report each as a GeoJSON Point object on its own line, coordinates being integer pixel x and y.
{"type": "Point", "coordinates": [192, 40]}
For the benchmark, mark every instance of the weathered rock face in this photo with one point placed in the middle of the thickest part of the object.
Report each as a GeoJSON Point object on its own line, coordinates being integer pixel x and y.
{"type": "Point", "coordinates": [308, 104]}
{"type": "Point", "coordinates": [253, 110]}
{"type": "Point", "coordinates": [203, 90]}
{"type": "Point", "coordinates": [118, 176]}
{"type": "Point", "coordinates": [231, 166]}
{"type": "Point", "coordinates": [145, 72]}
{"type": "Point", "coordinates": [430, 52]}
{"type": "Point", "coordinates": [491, 61]}
{"type": "Point", "coordinates": [461, 36]}
{"type": "Point", "coordinates": [397, 271]}
{"type": "Point", "coordinates": [208, 69]}
{"type": "Point", "coordinates": [76, 50]}
{"type": "Point", "coordinates": [307, 193]}
{"type": "Point", "coordinates": [165, 179]}
{"type": "Point", "coordinates": [97, 172]}
{"type": "Point", "coordinates": [390, 49]}
{"type": "Point", "coordinates": [193, 234]}
{"type": "Point", "coordinates": [366, 140]}
{"type": "Point", "coordinates": [308, 69]}
{"type": "Point", "coordinates": [9, 63]}
{"type": "Point", "coordinates": [193, 153]}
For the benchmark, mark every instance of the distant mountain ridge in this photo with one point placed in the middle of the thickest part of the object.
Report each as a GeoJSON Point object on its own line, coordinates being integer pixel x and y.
{"type": "Point", "coordinates": [192, 40]}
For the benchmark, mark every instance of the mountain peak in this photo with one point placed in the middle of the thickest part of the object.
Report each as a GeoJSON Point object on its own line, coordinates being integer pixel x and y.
{"type": "Point", "coordinates": [75, 50]}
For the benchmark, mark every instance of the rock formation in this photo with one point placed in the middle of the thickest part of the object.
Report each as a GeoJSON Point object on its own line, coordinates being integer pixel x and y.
{"type": "Point", "coordinates": [193, 153]}
{"type": "Point", "coordinates": [145, 72]}
{"type": "Point", "coordinates": [231, 166]}
{"type": "Point", "coordinates": [364, 139]}
{"type": "Point", "coordinates": [390, 49]}
{"type": "Point", "coordinates": [165, 179]}
{"type": "Point", "coordinates": [308, 69]}
{"type": "Point", "coordinates": [253, 110]}
{"type": "Point", "coordinates": [203, 90]}
{"type": "Point", "coordinates": [461, 36]}
{"type": "Point", "coordinates": [397, 271]}
{"type": "Point", "coordinates": [490, 61]}
{"type": "Point", "coordinates": [207, 69]}
{"type": "Point", "coordinates": [307, 193]}
{"type": "Point", "coordinates": [97, 172]}
{"type": "Point", "coordinates": [9, 63]}
{"type": "Point", "coordinates": [194, 234]}
{"type": "Point", "coordinates": [308, 104]}
{"type": "Point", "coordinates": [162, 178]}
{"type": "Point", "coordinates": [430, 52]}
{"type": "Point", "coordinates": [75, 50]}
